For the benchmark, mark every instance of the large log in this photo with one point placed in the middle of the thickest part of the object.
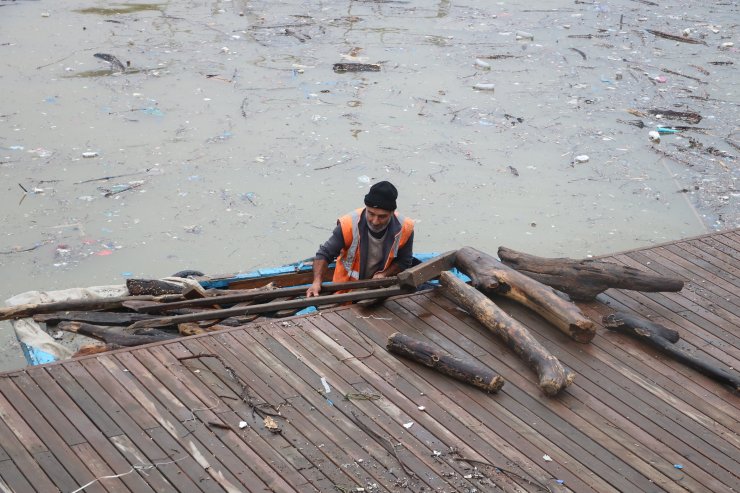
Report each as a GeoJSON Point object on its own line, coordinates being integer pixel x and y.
{"type": "Point", "coordinates": [584, 279]}
{"type": "Point", "coordinates": [492, 277]}
{"type": "Point", "coordinates": [645, 331]}
{"type": "Point", "coordinates": [553, 376]}
{"type": "Point", "coordinates": [464, 370]}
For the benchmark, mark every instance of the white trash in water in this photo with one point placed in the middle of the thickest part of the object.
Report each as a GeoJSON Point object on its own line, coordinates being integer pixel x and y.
{"type": "Point", "coordinates": [484, 87]}
{"type": "Point", "coordinates": [654, 136]}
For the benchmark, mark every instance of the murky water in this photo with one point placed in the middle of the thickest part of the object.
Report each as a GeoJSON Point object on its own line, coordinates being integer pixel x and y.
{"type": "Point", "coordinates": [229, 143]}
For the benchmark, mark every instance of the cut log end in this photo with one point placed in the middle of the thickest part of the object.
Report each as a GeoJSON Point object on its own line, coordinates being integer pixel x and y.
{"type": "Point", "coordinates": [582, 331]}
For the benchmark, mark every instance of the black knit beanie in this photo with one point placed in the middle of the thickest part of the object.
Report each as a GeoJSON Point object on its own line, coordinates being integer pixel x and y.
{"type": "Point", "coordinates": [382, 195]}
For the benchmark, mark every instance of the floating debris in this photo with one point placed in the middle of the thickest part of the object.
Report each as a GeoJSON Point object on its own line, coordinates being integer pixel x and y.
{"type": "Point", "coordinates": [681, 39]}
{"type": "Point", "coordinates": [688, 116]}
{"type": "Point", "coordinates": [341, 68]}
{"type": "Point", "coordinates": [114, 62]}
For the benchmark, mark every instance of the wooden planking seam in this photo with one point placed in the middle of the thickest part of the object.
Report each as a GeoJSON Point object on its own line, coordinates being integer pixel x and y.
{"type": "Point", "coordinates": [13, 479]}
{"type": "Point", "coordinates": [416, 380]}
{"type": "Point", "coordinates": [318, 364]}
{"type": "Point", "coordinates": [330, 425]}
{"type": "Point", "coordinates": [170, 434]}
{"type": "Point", "coordinates": [712, 293]}
{"type": "Point", "coordinates": [728, 254]}
{"type": "Point", "coordinates": [205, 384]}
{"type": "Point", "coordinates": [299, 425]}
{"type": "Point", "coordinates": [560, 422]}
{"type": "Point", "coordinates": [230, 440]}
{"type": "Point", "coordinates": [73, 467]}
{"type": "Point", "coordinates": [705, 259]}
{"type": "Point", "coordinates": [679, 306]}
{"type": "Point", "coordinates": [279, 443]}
{"type": "Point", "coordinates": [608, 408]}
{"type": "Point", "coordinates": [51, 379]}
{"type": "Point", "coordinates": [197, 439]}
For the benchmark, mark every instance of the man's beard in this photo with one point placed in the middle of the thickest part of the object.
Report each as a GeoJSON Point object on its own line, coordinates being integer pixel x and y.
{"type": "Point", "coordinates": [377, 229]}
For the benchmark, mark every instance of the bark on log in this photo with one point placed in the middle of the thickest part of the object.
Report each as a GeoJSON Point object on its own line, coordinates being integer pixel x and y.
{"type": "Point", "coordinates": [152, 287]}
{"type": "Point", "coordinates": [492, 277]}
{"type": "Point", "coordinates": [553, 376]}
{"type": "Point", "coordinates": [114, 336]}
{"type": "Point", "coordinates": [584, 279]}
{"type": "Point", "coordinates": [644, 333]}
{"type": "Point", "coordinates": [464, 370]}
{"type": "Point", "coordinates": [628, 322]}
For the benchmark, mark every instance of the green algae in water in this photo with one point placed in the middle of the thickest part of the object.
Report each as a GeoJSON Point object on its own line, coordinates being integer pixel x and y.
{"type": "Point", "coordinates": [121, 8]}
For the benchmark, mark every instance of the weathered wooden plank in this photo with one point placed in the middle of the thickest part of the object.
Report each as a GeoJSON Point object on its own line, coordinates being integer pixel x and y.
{"type": "Point", "coordinates": [705, 258]}
{"type": "Point", "coordinates": [264, 393]}
{"type": "Point", "coordinates": [12, 479]}
{"type": "Point", "coordinates": [22, 465]}
{"type": "Point", "coordinates": [728, 254]}
{"type": "Point", "coordinates": [681, 305]}
{"type": "Point", "coordinates": [222, 465]}
{"type": "Point", "coordinates": [314, 425]}
{"type": "Point", "coordinates": [171, 436]}
{"type": "Point", "coordinates": [49, 433]}
{"type": "Point", "coordinates": [387, 415]}
{"type": "Point", "coordinates": [135, 445]}
{"type": "Point", "coordinates": [624, 411]}
{"type": "Point", "coordinates": [246, 472]}
{"type": "Point", "coordinates": [52, 379]}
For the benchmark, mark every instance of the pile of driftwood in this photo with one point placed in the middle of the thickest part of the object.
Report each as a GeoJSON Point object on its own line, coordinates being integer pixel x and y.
{"type": "Point", "coordinates": [159, 310]}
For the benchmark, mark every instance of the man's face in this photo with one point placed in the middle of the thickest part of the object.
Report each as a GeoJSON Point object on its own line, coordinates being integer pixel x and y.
{"type": "Point", "coordinates": [377, 219]}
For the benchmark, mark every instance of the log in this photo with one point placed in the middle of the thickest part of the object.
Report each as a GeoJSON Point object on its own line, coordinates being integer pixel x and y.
{"type": "Point", "coordinates": [553, 376]}
{"type": "Point", "coordinates": [461, 369]}
{"type": "Point", "coordinates": [645, 333]}
{"type": "Point", "coordinates": [584, 279]}
{"type": "Point", "coordinates": [630, 322]}
{"type": "Point", "coordinates": [492, 277]}
{"type": "Point", "coordinates": [152, 287]}
{"type": "Point", "coordinates": [270, 307]}
{"type": "Point", "coordinates": [113, 336]}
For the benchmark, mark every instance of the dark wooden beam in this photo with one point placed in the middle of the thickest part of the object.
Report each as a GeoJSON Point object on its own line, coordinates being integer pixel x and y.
{"type": "Point", "coordinates": [419, 274]}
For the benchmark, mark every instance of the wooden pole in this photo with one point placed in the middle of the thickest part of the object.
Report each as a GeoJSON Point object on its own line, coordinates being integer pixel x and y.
{"type": "Point", "coordinates": [553, 376]}
{"type": "Point", "coordinates": [113, 336]}
{"type": "Point", "coordinates": [584, 279]}
{"type": "Point", "coordinates": [492, 277]}
{"type": "Point", "coordinates": [461, 369]}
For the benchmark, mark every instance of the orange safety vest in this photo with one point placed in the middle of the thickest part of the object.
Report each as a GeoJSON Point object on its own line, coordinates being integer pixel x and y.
{"type": "Point", "coordinates": [348, 262]}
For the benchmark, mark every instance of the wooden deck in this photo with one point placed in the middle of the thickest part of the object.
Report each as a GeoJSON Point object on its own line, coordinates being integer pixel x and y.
{"type": "Point", "coordinates": [633, 421]}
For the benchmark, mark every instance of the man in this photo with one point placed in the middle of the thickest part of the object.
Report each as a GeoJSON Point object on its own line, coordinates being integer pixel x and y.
{"type": "Point", "coordinates": [373, 242]}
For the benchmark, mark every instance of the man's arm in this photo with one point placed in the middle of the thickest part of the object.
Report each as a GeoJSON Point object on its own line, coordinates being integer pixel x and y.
{"type": "Point", "coordinates": [327, 253]}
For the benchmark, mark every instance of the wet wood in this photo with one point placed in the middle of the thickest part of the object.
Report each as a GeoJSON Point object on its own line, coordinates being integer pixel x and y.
{"type": "Point", "coordinates": [630, 321]}
{"type": "Point", "coordinates": [152, 287]}
{"type": "Point", "coordinates": [116, 336]}
{"type": "Point", "coordinates": [646, 333]}
{"type": "Point", "coordinates": [260, 294]}
{"type": "Point", "coordinates": [341, 68]}
{"type": "Point", "coordinates": [553, 377]}
{"type": "Point", "coordinates": [416, 276]}
{"type": "Point", "coordinates": [270, 307]}
{"type": "Point", "coordinates": [98, 318]}
{"type": "Point", "coordinates": [461, 369]}
{"type": "Point", "coordinates": [492, 277]}
{"type": "Point", "coordinates": [584, 279]}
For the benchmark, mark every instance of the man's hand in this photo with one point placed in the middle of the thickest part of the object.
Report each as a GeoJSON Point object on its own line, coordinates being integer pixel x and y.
{"type": "Point", "coordinates": [380, 275]}
{"type": "Point", "coordinates": [313, 290]}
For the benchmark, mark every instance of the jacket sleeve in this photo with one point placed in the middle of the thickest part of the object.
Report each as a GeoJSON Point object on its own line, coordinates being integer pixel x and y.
{"type": "Point", "coordinates": [405, 253]}
{"type": "Point", "coordinates": [329, 251]}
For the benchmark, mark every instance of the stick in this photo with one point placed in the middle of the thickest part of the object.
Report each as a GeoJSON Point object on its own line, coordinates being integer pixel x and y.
{"type": "Point", "coordinates": [21, 311]}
